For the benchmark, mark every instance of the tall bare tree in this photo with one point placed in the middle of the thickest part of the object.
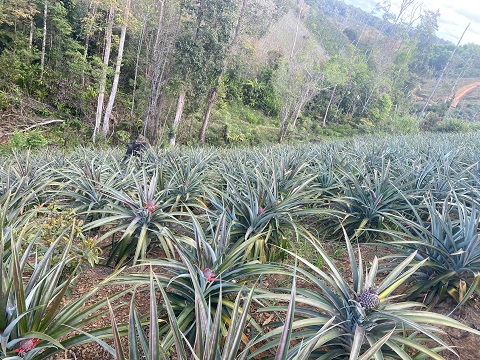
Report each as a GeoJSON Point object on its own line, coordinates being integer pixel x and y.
{"type": "Point", "coordinates": [189, 44]}
{"type": "Point", "coordinates": [116, 76]}
{"type": "Point", "coordinates": [137, 62]}
{"type": "Point", "coordinates": [167, 25]}
{"type": "Point", "coordinates": [298, 80]}
{"type": "Point", "coordinates": [103, 79]}
{"type": "Point", "coordinates": [44, 39]}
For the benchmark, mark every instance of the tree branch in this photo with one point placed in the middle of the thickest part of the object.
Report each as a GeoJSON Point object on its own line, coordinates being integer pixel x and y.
{"type": "Point", "coordinates": [39, 124]}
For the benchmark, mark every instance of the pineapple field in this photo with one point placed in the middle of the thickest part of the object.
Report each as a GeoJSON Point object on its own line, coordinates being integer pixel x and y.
{"type": "Point", "coordinates": [366, 248]}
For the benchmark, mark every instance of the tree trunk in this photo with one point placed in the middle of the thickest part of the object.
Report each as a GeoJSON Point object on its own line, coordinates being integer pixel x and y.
{"type": "Point", "coordinates": [286, 112]}
{"type": "Point", "coordinates": [298, 110]}
{"type": "Point", "coordinates": [116, 77]}
{"type": "Point", "coordinates": [156, 74]}
{"type": "Point", "coordinates": [283, 125]}
{"type": "Point", "coordinates": [328, 106]}
{"type": "Point", "coordinates": [87, 38]}
{"type": "Point", "coordinates": [183, 94]}
{"type": "Point", "coordinates": [165, 76]}
{"type": "Point", "coordinates": [137, 61]}
{"type": "Point", "coordinates": [307, 92]}
{"type": "Point", "coordinates": [178, 117]}
{"type": "Point", "coordinates": [300, 9]}
{"type": "Point", "coordinates": [103, 79]}
{"type": "Point", "coordinates": [44, 39]}
{"type": "Point", "coordinates": [212, 98]}
{"type": "Point", "coordinates": [160, 102]}
{"type": "Point", "coordinates": [30, 38]}
{"type": "Point", "coordinates": [211, 101]}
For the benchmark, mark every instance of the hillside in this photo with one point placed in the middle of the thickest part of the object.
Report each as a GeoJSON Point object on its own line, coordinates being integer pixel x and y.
{"type": "Point", "coordinates": [446, 90]}
{"type": "Point", "coordinates": [283, 36]}
{"type": "Point", "coordinates": [221, 72]}
{"type": "Point", "coordinates": [367, 31]}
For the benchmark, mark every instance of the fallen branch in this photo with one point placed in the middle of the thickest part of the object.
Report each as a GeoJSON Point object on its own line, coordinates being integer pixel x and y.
{"type": "Point", "coordinates": [39, 124]}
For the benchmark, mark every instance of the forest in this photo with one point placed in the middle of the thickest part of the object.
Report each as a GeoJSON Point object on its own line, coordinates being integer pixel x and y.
{"type": "Point", "coordinates": [301, 181]}
{"type": "Point", "coordinates": [221, 72]}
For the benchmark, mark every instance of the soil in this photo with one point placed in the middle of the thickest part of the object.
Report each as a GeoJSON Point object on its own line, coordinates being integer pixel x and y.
{"type": "Point", "coordinates": [466, 344]}
{"type": "Point", "coordinates": [84, 283]}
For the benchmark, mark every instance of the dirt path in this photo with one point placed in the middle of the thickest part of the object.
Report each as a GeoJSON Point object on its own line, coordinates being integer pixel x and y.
{"type": "Point", "coordinates": [462, 92]}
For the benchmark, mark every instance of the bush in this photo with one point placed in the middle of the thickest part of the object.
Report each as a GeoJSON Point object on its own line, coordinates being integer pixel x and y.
{"type": "Point", "coordinates": [404, 124]}
{"type": "Point", "coordinates": [338, 130]}
{"type": "Point", "coordinates": [6, 101]}
{"type": "Point", "coordinates": [431, 121]}
{"type": "Point", "coordinates": [123, 136]}
{"type": "Point", "coordinates": [452, 125]}
{"type": "Point", "coordinates": [36, 140]}
{"type": "Point", "coordinates": [234, 134]}
{"type": "Point", "coordinates": [251, 118]}
{"type": "Point", "coordinates": [30, 140]}
{"type": "Point", "coordinates": [54, 222]}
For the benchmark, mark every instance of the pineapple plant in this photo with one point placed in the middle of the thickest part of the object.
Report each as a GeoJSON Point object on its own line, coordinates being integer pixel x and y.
{"type": "Point", "coordinates": [211, 269]}
{"type": "Point", "coordinates": [34, 320]}
{"type": "Point", "coordinates": [368, 322]}
{"type": "Point", "coordinates": [262, 204]}
{"type": "Point", "coordinates": [369, 200]}
{"type": "Point", "coordinates": [141, 214]}
{"type": "Point", "coordinates": [450, 244]}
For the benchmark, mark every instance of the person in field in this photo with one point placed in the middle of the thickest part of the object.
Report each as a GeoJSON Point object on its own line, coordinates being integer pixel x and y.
{"type": "Point", "coordinates": [136, 147]}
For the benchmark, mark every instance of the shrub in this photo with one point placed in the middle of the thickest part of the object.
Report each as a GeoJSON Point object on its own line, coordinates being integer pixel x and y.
{"type": "Point", "coordinates": [430, 122]}
{"type": "Point", "coordinates": [123, 136]}
{"type": "Point", "coordinates": [452, 125]}
{"type": "Point", "coordinates": [29, 140]}
{"type": "Point", "coordinates": [403, 124]}
{"type": "Point", "coordinates": [251, 118]}
{"type": "Point", "coordinates": [53, 222]}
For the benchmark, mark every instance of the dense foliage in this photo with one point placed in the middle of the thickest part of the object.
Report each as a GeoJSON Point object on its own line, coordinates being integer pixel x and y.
{"type": "Point", "coordinates": [221, 71]}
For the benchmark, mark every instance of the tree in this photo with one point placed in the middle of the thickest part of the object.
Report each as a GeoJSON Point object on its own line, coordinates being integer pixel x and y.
{"type": "Point", "coordinates": [221, 60]}
{"type": "Point", "coordinates": [44, 38]}
{"type": "Point", "coordinates": [103, 79]}
{"type": "Point", "coordinates": [298, 80]}
{"type": "Point", "coordinates": [167, 26]}
{"type": "Point", "coordinates": [89, 27]}
{"type": "Point", "coordinates": [244, 17]}
{"type": "Point", "coordinates": [297, 83]}
{"type": "Point", "coordinates": [384, 70]}
{"type": "Point", "coordinates": [336, 74]}
{"type": "Point", "coordinates": [425, 33]}
{"type": "Point", "coordinates": [116, 77]}
{"type": "Point", "coordinates": [443, 71]}
{"type": "Point", "coordinates": [189, 57]}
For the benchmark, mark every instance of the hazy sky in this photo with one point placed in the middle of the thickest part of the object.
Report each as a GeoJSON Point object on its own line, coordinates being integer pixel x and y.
{"type": "Point", "coordinates": [454, 17]}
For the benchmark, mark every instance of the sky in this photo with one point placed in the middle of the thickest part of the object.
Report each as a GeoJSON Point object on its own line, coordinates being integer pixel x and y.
{"type": "Point", "coordinates": [454, 17]}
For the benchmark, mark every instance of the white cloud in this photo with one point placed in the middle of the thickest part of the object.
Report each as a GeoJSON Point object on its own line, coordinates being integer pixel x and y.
{"type": "Point", "coordinates": [454, 17]}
